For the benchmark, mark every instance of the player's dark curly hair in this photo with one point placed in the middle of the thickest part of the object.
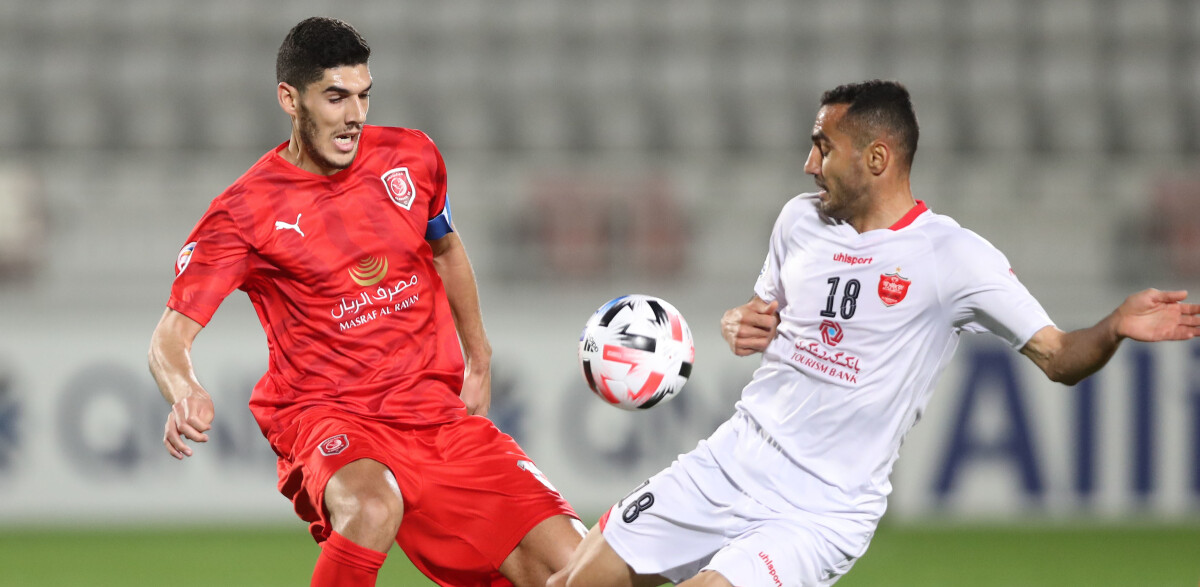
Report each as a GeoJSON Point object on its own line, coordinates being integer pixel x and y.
{"type": "Point", "coordinates": [878, 107]}
{"type": "Point", "coordinates": [317, 44]}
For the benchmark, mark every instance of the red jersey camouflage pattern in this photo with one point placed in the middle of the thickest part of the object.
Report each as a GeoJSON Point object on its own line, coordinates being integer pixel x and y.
{"type": "Point", "coordinates": [342, 278]}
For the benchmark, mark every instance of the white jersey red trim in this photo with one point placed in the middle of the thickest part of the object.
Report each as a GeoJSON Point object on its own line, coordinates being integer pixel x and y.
{"type": "Point", "coordinates": [868, 323]}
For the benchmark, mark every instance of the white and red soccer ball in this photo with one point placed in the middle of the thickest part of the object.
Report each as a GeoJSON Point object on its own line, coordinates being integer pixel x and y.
{"type": "Point", "coordinates": [636, 352]}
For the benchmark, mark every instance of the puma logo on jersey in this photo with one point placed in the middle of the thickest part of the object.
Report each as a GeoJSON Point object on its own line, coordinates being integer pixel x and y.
{"type": "Point", "coordinates": [281, 225]}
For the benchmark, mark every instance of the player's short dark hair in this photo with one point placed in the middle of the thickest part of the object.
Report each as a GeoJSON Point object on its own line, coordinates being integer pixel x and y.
{"type": "Point", "coordinates": [314, 45]}
{"type": "Point", "coordinates": [877, 108]}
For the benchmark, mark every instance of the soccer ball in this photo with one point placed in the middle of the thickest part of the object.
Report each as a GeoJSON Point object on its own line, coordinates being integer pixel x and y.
{"type": "Point", "coordinates": [636, 352]}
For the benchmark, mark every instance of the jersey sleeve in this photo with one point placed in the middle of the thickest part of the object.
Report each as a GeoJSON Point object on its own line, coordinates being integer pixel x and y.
{"type": "Point", "coordinates": [769, 286]}
{"type": "Point", "coordinates": [440, 222]}
{"type": "Point", "coordinates": [210, 266]}
{"type": "Point", "coordinates": [985, 295]}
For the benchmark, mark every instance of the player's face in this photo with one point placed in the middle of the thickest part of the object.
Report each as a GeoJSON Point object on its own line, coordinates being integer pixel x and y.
{"type": "Point", "coordinates": [837, 166]}
{"type": "Point", "coordinates": [330, 114]}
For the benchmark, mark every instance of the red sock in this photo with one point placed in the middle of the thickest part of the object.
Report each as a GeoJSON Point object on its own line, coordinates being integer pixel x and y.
{"type": "Point", "coordinates": [345, 564]}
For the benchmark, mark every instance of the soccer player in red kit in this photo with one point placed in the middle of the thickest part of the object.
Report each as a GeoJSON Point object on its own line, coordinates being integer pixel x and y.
{"type": "Point", "coordinates": [378, 381]}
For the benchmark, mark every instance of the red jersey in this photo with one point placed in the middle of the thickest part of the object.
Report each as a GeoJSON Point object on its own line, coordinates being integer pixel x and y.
{"type": "Point", "coordinates": [340, 273]}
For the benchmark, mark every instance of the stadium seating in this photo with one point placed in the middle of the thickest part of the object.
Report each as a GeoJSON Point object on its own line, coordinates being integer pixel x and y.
{"type": "Point", "coordinates": [1012, 95]}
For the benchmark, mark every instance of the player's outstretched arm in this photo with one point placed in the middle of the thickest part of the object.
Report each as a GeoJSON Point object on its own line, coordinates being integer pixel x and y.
{"type": "Point", "coordinates": [453, 266]}
{"type": "Point", "coordinates": [171, 365]}
{"type": "Point", "coordinates": [750, 327]}
{"type": "Point", "coordinates": [1147, 316]}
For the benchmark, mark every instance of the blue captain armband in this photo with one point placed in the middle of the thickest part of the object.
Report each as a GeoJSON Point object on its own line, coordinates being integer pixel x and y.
{"type": "Point", "coordinates": [440, 225]}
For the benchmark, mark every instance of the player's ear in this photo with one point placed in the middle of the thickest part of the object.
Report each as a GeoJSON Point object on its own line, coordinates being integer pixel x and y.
{"type": "Point", "coordinates": [289, 98]}
{"type": "Point", "coordinates": [878, 157]}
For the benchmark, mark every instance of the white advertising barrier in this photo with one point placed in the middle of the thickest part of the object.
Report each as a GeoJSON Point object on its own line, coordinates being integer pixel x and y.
{"type": "Point", "coordinates": [81, 423]}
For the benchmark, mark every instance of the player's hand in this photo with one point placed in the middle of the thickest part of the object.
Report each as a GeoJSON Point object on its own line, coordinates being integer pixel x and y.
{"type": "Point", "coordinates": [749, 328]}
{"type": "Point", "coordinates": [477, 389]}
{"type": "Point", "coordinates": [190, 418]}
{"type": "Point", "coordinates": [1153, 315]}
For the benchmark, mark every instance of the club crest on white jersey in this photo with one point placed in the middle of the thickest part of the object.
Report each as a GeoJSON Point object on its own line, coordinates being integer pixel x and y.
{"type": "Point", "coordinates": [893, 287]}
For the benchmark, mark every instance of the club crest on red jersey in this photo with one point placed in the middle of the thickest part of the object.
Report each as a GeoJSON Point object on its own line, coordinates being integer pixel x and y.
{"type": "Point", "coordinates": [185, 257]}
{"type": "Point", "coordinates": [400, 187]}
{"type": "Point", "coordinates": [893, 287]}
{"type": "Point", "coordinates": [333, 445]}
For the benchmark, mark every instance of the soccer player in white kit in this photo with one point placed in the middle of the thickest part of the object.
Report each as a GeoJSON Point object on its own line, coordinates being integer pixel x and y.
{"type": "Point", "coordinates": [857, 311]}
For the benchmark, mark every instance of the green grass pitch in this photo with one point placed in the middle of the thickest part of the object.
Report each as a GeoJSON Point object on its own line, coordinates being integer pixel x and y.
{"type": "Point", "coordinates": [926, 556]}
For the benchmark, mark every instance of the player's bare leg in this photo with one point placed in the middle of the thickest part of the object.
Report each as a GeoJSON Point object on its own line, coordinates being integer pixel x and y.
{"type": "Point", "coordinates": [595, 564]}
{"type": "Point", "coordinates": [707, 579]}
{"type": "Point", "coordinates": [364, 504]}
{"type": "Point", "coordinates": [544, 550]}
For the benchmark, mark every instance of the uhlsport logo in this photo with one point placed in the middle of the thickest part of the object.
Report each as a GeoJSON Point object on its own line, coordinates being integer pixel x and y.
{"type": "Point", "coordinates": [766, 559]}
{"type": "Point", "coordinates": [851, 259]}
{"type": "Point", "coordinates": [185, 257]}
{"type": "Point", "coordinates": [400, 187]}
{"type": "Point", "coordinates": [369, 271]}
{"type": "Point", "coordinates": [334, 445]}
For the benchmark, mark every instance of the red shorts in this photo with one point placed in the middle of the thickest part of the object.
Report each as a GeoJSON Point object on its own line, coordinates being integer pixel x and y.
{"type": "Point", "coordinates": [470, 493]}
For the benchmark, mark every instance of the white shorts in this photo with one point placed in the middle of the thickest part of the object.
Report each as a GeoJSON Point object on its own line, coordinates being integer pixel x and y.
{"type": "Point", "coordinates": [692, 517]}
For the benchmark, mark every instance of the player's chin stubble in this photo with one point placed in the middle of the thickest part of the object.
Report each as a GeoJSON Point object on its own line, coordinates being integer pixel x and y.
{"type": "Point", "coordinates": [308, 141]}
{"type": "Point", "coordinates": [848, 201]}
{"type": "Point", "coordinates": [836, 206]}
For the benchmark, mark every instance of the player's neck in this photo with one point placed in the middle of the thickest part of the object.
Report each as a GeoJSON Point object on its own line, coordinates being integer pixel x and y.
{"type": "Point", "coordinates": [887, 208]}
{"type": "Point", "coordinates": [293, 153]}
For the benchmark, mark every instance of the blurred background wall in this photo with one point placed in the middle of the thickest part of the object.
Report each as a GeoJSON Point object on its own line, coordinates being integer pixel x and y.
{"type": "Point", "coordinates": [596, 149]}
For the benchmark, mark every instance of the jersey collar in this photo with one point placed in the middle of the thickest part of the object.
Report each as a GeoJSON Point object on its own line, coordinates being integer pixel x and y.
{"type": "Point", "coordinates": [910, 216]}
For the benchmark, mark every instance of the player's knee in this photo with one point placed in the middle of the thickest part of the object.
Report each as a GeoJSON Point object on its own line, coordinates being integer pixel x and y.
{"type": "Point", "coordinates": [558, 579]}
{"type": "Point", "coordinates": [567, 577]}
{"type": "Point", "coordinates": [544, 550]}
{"type": "Point", "coordinates": [383, 510]}
{"type": "Point", "coordinates": [365, 507]}
{"type": "Point", "coordinates": [364, 494]}
{"type": "Point", "coordinates": [575, 574]}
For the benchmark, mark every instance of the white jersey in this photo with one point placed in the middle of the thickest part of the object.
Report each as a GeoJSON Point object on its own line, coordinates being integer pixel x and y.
{"type": "Point", "coordinates": [868, 323]}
